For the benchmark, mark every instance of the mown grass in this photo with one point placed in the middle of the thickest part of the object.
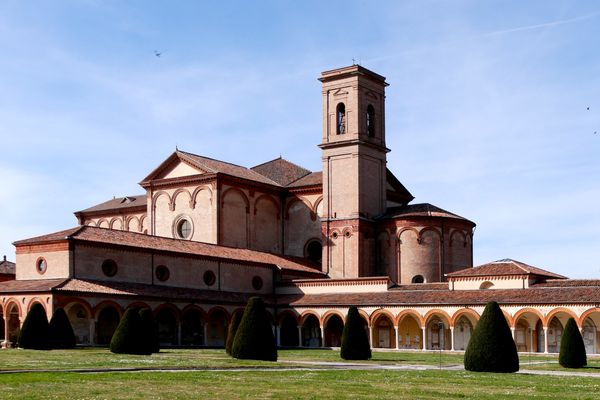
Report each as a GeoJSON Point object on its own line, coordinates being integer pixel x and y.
{"type": "Point", "coordinates": [274, 380]}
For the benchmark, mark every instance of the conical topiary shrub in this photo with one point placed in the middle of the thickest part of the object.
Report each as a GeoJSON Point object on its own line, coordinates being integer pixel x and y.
{"type": "Point", "coordinates": [35, 332]}
{"type": "Point", "coordinates": [149, 331]}
{"type": "Point", "coordinates": [492, 348]}
{"type": "Point", "coordinates": [61, 331]}
{"type": "Point", "coordinates": [232, 330]}
{"type": "Point", "coordinates": [572, 348]}
{"type": "Point", "coordinates": [127, 339]}
{"type": "Point", "coordinates": [254, 339]}
{"type": "Point", "coordinates": [355, 341]}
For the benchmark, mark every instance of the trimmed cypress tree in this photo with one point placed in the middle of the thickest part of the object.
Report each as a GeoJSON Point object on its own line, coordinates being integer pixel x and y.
{"type": "Point", "coordinates": [61, 331]}
{"type": "Point", "coordinates": [254, 338]}
{"type": "Point", "coordinates": [492, 348]}
{"type": "Point", "coordinates": [149, 331]}
{"type": "Point", "coordinates": [127, 339]}
{"type": "Point", "coordinates": [572, 349]}
{"type": "Point", "coordinates": [35, 333]}
{"type": "Point", "coordinates": [355, 341]}
{"type": "Point", "coordinates": [232, 330]}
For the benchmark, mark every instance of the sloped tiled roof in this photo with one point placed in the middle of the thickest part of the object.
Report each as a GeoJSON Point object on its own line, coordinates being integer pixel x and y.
{"type": "Point", "coordinates": [312, 179]}
{"type": "Point", "coordinates": [503, 267]}
{"type": "Point", "coordinates": [33, 285]}
{"type": "Point", "coordinates": [281, 171]}
{"type": "Point", "coordinates": [118, 203]}
{"type": "Point", "coordinates": [420, 210]}
{"type": "Point", "coordinates": [7, 267]}
{"type": "Point", "coordinates": [415, 297]}
{"type": "Point", "coordinates": [138, 240]}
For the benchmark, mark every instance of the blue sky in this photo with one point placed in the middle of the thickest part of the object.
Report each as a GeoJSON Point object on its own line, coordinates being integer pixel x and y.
{"type": "Point", "coordinates": [486, 112]}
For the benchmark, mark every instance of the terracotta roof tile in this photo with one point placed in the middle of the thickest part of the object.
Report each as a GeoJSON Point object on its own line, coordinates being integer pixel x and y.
{"type": "Point", "coordinates": [34, 285]}
{"type": "Point", "coordinates": [124, 238]}
{"type": "Point", "coordinates": [420, 210]}
{"type": "Point", "coordinates": [281, 171]}
{"type": "Point", "coordinates": [502, 268]}
{"type": "Point", "coordinates": [119, 203]}
{"type": "Point", "coordinates": [312, 179]}
{"type": "Point", "coordinates": [408, 297]}
{"type": "Point", "coordinates": [7, 267]}
{"type": "Point", "coordinates": [153, 291]}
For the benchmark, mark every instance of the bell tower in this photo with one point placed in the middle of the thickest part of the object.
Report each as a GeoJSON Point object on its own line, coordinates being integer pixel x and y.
{"type": "Point", "coordinates": [354, 169]}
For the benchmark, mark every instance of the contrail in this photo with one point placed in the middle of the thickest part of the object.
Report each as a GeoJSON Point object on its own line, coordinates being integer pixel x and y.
{"type": "Point", "coordinates": [544, 25]}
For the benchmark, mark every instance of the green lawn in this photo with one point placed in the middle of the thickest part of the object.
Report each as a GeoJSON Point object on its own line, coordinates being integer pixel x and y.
{"type": "Point", "coordinates": [269, 382]}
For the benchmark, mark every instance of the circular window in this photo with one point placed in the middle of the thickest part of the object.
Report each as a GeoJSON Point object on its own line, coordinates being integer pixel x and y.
{"type": "Point", "coordinates": [41, 265]}
{"type": "Point", "coordinates": [257, 283]}
{"type": "Point", "coordinates": [334, 235]}
{"type": "Point", "coordinates": [109, 267]}
{"type": "Point", "coordinates": [418, 279]}
{"type": "Point", "coordinates": [184, 229]}
{"type": "Point", "coordinates": [162, 273]}
{"type": "Point", "coordinates": [347, 233]}
{"type": "Point", "coordinates": [209, 278]}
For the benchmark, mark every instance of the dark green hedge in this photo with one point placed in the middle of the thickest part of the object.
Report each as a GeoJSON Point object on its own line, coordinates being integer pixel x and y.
{"type": "Point", "coordinates": [572, 349]}
{"type": "Point", "coordinates": [492, 348]}
{"type": "Point", "coordinates": [254, 339]}
{"type": "Point", "coordinates": [232, 330]}
{"type": "Point", "coordinates": [61, 331]}
{"type": "Point", "coordinates": [355, 340]}
{"type": "Point", "coordinates": [35, 333]}
{"type": "Point", "coordinates": [128, 338]}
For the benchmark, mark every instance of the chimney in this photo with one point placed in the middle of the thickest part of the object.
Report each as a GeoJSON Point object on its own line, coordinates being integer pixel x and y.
{"type": "Point", "coordinates": [5, 258]}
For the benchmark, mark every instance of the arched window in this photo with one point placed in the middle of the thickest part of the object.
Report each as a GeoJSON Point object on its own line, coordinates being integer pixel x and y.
{"type": "Point", "coordinates": [341, 119]}
{"type": "Point", "coordinates": [370, 121]}
{"type": "Point", "coordinates": [313, 251]}
{"type": "Point", "coordinates": [486, 285]}
{"type": "Point", "coordinates": [418, 279]}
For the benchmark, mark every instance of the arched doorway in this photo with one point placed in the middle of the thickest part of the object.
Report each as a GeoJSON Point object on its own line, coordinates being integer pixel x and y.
{"type": "Point", "coordinates": [437, 334]}
{"type": "Point", "coordinates": [529, 332]}
{"type": "Point", "coordinates": [410, 333]}
{"type": "Point", "coordinates": [217, 328]}
{"type": "Point", "coordinates": [1, 324]}
{"type": "Point", "coordinates": [590, 336]}
{"type": "Point", "coordinates": [80, 321]}
{"type": "Point", "coordinates": [334, 326]}
{"type": "Point", "coordinates": [463, 328]}
{"type": "Point", "coordinates": [192, 328]}
{"type": "Point", "coordinates": [166, 323]}
{"type": "Point", "coordinates": [288, 329]}
{"type": "Point", "coordinates": [384, 334]}
{"type": "Point", "coordinates": [108, 320]}
{"type": "Point", "coordinates": [311, 332]}
{"type": "Point", "coordinates": [555, 330]}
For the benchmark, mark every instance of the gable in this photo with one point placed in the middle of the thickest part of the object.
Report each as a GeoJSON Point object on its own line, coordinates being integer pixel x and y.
{"type": "Point", "coordinates": [179, 169]}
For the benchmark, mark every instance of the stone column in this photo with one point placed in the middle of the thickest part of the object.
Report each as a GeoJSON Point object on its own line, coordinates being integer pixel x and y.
{"type": "Point", "coordinates": [5, 342]}
{"type": "Point", "coordinates": [424, 339]}
{"type": "Point", "coordinates": [452, 338]}
{"type": "Point", "coordinates": [179, 332]}
{"type": "Point", "coordinates": [278, 335]}
{"type": "Point", "coordinates": [397, 337]}
{"type": "Point", "coordinates": [300, 344]}
{"type": "Point", "coordinates": [545, 340]}
{"type": "Point", "coordinates": [205, 327]}
{"type": "Point", "coordinates": [322, 335]}
{"type": "Point", "coordinates": [371, 336]}
{"type": "Point", "coordinates": [92, 333]}
{"type": "Point", "coordinates": [512, 332]}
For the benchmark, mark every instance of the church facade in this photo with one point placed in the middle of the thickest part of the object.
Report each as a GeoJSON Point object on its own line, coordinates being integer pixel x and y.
{"type": "Point", "coordinates": [207, 234]}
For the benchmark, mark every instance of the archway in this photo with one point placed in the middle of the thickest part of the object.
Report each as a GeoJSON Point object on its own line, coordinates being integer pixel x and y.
{"type": "Point", "coordinates": [108, 320]}
{"type": "Point", "coordinates": [384, 334]}
{"type": "Point", "coordinates": [288, 329]}
{"type": "Point", "coordinates": [14, 324]}
{"type": "Point", "coordinates": [334, 327]}
{"type": "Point", "coordinates": [1, 324]}
{"type": "Point", "coordinates": [463, 329]}
{"type": "Point", "coordinates": [529, 332]}
{"type": "Point", "coordinates": [590, 336]}
{"type": "Point", "coordinates": [311, 332]}
{"type": "Point", "coordinates": [555, 330]}
{"type": "Point", "coordinates": [80, 319]}
{"type": "Point", "coordinates": [166, 323]}
{"type": "Point", "coordinates": [217, 328]}
{"type": "Point", "coordinates": [192, 328]}
{"type": "Point", "coordinates": [438, 337]}
{"type": "Point", "coordinates": [410, 333]}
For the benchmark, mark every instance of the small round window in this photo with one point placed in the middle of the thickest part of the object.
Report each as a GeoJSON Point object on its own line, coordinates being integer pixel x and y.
{"type": "Point", "coordinates": [41, 265]}
{"type": "Point", "coordinates": [109, 267]}
{"type": "Point", "coordinates": [418, 279]}
{"type": "Point", "coordinates": [162, 273]}
{"type": "Point", "coordinates": [184, 229]}
{"type": "Point", "coordinates": [257, 283]}
{"type": "Point", "coordinates": [209, 278]}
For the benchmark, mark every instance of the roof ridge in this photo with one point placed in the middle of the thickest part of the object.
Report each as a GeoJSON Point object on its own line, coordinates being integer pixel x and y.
{"type": "Point", "coordinates": [210, 158]}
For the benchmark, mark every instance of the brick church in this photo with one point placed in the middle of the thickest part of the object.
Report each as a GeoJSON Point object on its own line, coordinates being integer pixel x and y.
{"type": "Point", "coordinates": [205, 235]}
